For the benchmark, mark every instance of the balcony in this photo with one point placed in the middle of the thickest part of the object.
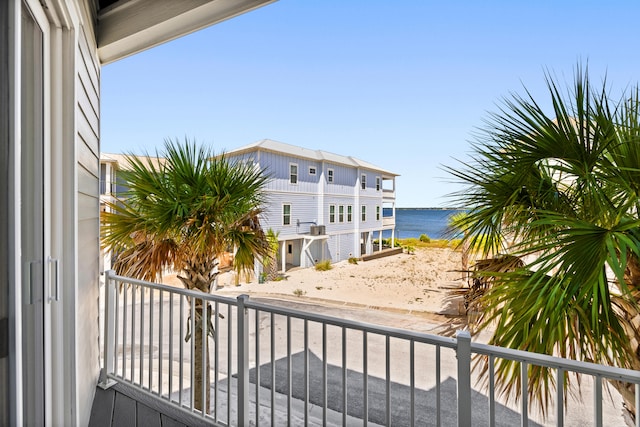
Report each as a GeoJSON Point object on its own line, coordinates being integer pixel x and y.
{"type": "Point", "coordinates": [388, 194]}
{"type": "Point", "coordinates": [273, 365]}
{"type": "Point", "coordinates": [107, 187]}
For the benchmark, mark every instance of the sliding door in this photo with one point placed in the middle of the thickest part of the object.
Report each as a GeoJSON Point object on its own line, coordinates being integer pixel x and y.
{"type": "Point", "coordinates": [37, 274]}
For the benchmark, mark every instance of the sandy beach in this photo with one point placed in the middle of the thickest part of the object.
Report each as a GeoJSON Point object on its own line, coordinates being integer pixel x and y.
{"type": "Point", "coordinates": [410, 283]}
{"type": "Point", "coordinates": [414, 283]}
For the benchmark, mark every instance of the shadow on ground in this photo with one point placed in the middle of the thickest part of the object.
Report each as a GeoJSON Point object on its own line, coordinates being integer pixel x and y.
{"type": "Point", "coordinates": [400, 395]}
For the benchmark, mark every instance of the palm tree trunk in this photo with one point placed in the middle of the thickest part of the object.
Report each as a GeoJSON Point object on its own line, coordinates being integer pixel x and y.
{"type": "Point", "coordinates": [201, 361]}
{"type": "Point", "coordinates": [631, 323]}
{"type": "Point", "coordinates": [200, 276]}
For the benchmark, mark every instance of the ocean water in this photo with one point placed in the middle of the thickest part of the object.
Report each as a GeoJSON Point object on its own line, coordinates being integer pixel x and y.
{"type": "Point", "coordinates": [416, 221]}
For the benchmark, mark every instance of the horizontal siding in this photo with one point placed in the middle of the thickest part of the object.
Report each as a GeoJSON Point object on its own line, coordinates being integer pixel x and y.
{"type": "Point", "coordinates": [88, 64]}
{"type": "Point", "coordinates": [87, 158]}
{"type": "Point", "coordinates": [371, 222]}
{"type": "Point", "coordinates": [87, 132]}
{"type": "Point", "coordinates": [277, 166]}
{"type": "Point", "coordinates": [338, 226]}
{"type": "Point", "coordinates": [344, 179]}
{"type": "Point", "coordinates": [303, 208]}
{"type": "Point", "coordinates": [88, 232]}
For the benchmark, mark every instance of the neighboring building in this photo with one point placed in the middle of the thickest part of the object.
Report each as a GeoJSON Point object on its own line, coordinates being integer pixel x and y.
{"type": "Point", "coordinates": [113, 187]}
{"type": "Point", "coordinates": [323, 205]}
{"type": "Point", "coordinates": [51, 54]}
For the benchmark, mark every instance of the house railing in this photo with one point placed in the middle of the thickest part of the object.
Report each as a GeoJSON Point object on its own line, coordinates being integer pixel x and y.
{"type": "Point", "coordinates": [273, 365]}
{"type": "Point", "coordinates": [388, 221]}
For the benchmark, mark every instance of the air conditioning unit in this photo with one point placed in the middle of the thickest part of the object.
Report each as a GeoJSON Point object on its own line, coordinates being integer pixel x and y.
{"type": "Point", "coordinates": [317, 230]}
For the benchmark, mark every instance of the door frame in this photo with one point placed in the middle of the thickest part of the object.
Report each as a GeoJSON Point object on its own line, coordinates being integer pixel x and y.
{"type": "Point", "coordinates": [58, 79]}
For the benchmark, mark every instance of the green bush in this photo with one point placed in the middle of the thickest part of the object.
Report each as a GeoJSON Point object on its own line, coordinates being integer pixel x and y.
{"type": "Point", "coordinates": [425, 239]}
{"type": "Point", "coordinates": [324, 265]}
{"type": "Point", "coordinates": [353, 260]}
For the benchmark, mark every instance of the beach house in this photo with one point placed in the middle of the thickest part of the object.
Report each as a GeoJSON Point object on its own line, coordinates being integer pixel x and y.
{"type": "Point", "coordinates": [323, 206]}
{"type": "Point", "coordinates": [51, 55]}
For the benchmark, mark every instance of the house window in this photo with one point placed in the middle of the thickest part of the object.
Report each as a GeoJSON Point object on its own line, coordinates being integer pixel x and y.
{"type": "Point", "coordinates": [312, 170]}
{"type": "Point", "coordinates": [341, 213]}
{"type": "Point", "coordinates": [293, 173]}
{"type": "Point", "coordinates": [286, 214]}
{"type": "Point", "coordinates": [378, 183]}
{"type": "Point", "coordinates": [332, 213]}
{"type": "Point", "coordinates": [377, 213]}
{"type": "Point", "coordinates": [363, 181]}
{"type": "Point", "coordinates": [364, 213]}
{"type": "Point", "coordinates": [330, 175]}
{"type": "Point", "coordinates": [349, 213]}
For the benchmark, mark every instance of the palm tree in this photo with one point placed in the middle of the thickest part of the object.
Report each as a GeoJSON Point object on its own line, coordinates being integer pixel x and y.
{"type": "Point", "coordinates": [271, 262]}
{"type": "Point", "coordinates": [565, 188]}
{"type": "Point", "coordinates": [455, 226]}
{"type": "Point", "coordinates": [183, 213]}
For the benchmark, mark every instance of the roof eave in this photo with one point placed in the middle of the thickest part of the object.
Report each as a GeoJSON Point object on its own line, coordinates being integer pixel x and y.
{"type": "Point", "coordinates": [129, 27]}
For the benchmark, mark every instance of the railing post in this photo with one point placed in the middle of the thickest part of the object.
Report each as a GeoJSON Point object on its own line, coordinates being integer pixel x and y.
{"type": "Point", "coordinates": [109, 330]}
{"type": "Point", "coordinates": [463, 353]}
{"type": "Point", "coordinates": [243, 361]}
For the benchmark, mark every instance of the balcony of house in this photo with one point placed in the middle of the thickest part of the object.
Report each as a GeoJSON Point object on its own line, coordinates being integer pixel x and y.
{"type": "Point", "coordinates": [388, 216]}
{"type": "Point", "coordinates": [388, 189]}
{"type": "Point", "coordinates": [107, 187]}
{"type": "Point", "coordinates": [269, 364]}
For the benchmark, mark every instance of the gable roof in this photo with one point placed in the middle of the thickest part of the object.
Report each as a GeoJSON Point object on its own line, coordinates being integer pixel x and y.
{"type": "Point", "coordinates": [306, 153]}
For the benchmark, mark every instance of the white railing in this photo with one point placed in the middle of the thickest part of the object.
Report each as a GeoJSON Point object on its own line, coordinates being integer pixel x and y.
{"type": "Point", "coordinates": [273, 365]}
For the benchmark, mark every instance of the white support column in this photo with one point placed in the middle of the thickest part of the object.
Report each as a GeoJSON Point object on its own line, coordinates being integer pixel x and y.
{"type": "Point", "coordinates": [463, 354]}
{"type": "Point", "coordinates": [243, 360]}
{"type": "Point", "coordinates": [283, 256]}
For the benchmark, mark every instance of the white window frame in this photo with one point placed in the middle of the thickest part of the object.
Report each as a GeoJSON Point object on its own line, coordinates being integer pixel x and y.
{"type": "Point", "coordinates": [363, 213]}
{"type": "Point", "coordinates": [349, 213]}
{"type": "Point", "coordinates": [378, 183]}
{"type": "Point", "coordinates": [341, 213]}
{"type": "Point", "coordinates": [312, 170]}
{"type": "Point", "coordinates": [363, 181]}
{"type": "Point", "coordinates": [292, 175]}
{"type": "Point", "coordinates": [330, 175]}
{"type": "Point", "coordinates": [332, 214]}
{"type": "Point", "coordinates": [285, 215]}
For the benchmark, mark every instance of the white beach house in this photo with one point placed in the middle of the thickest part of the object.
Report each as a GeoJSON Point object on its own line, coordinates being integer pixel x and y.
{"type": "Point", "coordinates": [323, 206]}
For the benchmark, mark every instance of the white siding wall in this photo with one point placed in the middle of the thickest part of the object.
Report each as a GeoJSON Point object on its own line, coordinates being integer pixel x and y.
{"type": "Point", "coordinates": [371, 222]}
{"type": "Point", "coordinates": [303, 208]}
{"type": "Point", "coordinates": [88, 205]}
{"type": "Point", "coordinates": [337, 201]}
{"type": "Point", "coordinates": [344, 179]}
{"type": "Point", "coordinates": [277, 166]}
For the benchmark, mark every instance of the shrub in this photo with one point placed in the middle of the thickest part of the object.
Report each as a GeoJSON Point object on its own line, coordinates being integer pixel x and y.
{"type": "Point", "coordinates": [410, 249]}
{"type": "Point", "coordinates": [324, 265]}
{"type": "Point", "coordinates": [425, 239]}
{"type": "Point", "coordinates": [298, 292]}
{"type": "Point", "coordinates": [353, 260]}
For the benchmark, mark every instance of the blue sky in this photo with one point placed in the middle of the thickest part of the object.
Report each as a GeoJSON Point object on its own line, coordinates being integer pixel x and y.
{"type": "Point", "coordinates": [402, 84]}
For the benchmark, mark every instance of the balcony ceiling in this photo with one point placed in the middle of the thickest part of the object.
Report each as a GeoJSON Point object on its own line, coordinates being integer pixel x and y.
{"type": "Point", "coordinates": [126, 27]}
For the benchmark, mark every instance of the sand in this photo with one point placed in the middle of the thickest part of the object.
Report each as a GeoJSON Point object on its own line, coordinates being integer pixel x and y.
{"type": "Point", "coordinates": [418, 282]}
